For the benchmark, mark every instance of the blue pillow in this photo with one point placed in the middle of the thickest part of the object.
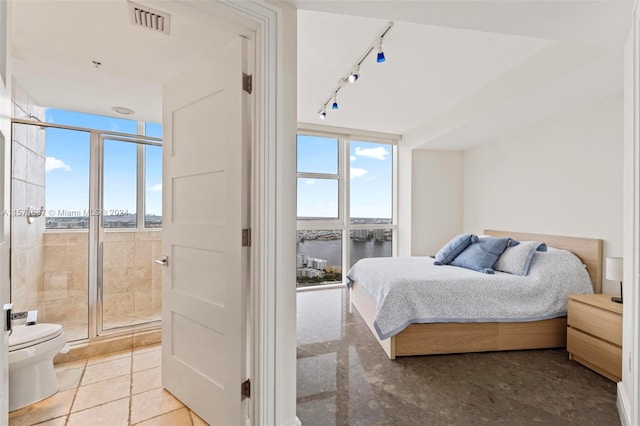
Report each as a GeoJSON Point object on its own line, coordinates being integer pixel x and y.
{"type": "Point", "coordinates": [453, 248]}
{"type": "Point", "coordinates": [481, 256]}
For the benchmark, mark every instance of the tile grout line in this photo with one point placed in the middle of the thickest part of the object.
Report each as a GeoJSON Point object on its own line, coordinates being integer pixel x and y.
{"type": "Point", "coordinates": [75, 394]}
{"type": "Point", "coordinates": [130, 388]}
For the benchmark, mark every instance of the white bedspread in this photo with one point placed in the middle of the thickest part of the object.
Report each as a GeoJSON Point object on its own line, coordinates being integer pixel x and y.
{"type": "Point", "coordinates": [410, 290]}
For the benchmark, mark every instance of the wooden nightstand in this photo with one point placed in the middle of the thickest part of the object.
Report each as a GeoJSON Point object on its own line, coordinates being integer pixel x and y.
{"type": "Point", "coordinates": [594, 333]}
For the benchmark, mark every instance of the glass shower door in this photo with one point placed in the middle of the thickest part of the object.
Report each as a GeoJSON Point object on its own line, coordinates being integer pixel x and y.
{"type": "Point", "coordinates": [130, 236]}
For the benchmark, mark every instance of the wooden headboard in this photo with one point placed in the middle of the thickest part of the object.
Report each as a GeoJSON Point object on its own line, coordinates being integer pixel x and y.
{"type": "Point", "coordinates": [588, 250]}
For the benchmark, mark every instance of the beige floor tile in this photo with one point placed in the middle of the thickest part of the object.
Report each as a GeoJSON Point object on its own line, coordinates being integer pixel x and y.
{"type": "Point", "coordinates": [147, 360]}
{"type": "Point", "coordinates": [148, 348]}
{"type": "Point", "coordinates": [106, 370]}
{"type": "Point", "coordinates": [145, 380]}
{"type": "Point", "coordinates": [179, 417]}
{"type": "Point", "coordinates": [102, 392]}
{"type": "Point", "coordinates": [48, 409]}
{"type": "Point", "coordinates": [114, 413]}
{"type": "Point", "coordinates": [197, 421]}
{"type": "Point", "coordinates": [60, 421]}
{"type": "Point", "coordinates": [108, 357]}
{"type": "Point", "coordinates": [69, 379]}
{"type": "Point", "coordinates": [71, 365]}
{"type": "Point", "coordinates": [152, 404]}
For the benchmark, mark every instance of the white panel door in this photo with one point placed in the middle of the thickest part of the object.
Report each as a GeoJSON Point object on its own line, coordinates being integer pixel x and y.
{"type": "Point", "coordinates": [205, 189]}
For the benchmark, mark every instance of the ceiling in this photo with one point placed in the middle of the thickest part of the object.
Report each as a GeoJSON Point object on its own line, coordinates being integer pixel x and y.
{"type": "Point", "coordinates": [457, 72]}
{"type": "Point", "coordinates": [54, 43]}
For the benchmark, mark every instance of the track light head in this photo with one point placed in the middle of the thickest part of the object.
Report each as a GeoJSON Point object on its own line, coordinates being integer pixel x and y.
{"type": "Point", "coordinates": [334, 105]}
{"type": "Point", "coordinates": [323, 114]}
{"type": "Point", "coordinates": [354, 75]}
{"type": "Point", "coordinates": [380, 57]}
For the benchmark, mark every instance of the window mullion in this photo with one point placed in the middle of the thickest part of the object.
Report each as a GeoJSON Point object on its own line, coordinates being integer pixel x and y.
{"type": "Point", "coordinates": [140, 174]}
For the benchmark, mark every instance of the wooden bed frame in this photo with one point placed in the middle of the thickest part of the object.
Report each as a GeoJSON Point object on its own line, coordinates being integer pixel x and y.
{"type": "Point", "coordinates": [446, 338]}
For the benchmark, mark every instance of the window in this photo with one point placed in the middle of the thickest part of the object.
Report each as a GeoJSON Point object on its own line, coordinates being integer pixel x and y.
{"type": "Point", "coordinates": [67, 178]}
{"type": "Point", "coordinates": [345, 188]}
{"type": "Point", "coordinates": [91, 121]}
{"type": "Point", "coordinates": [153, 181]}
{"type": "Point", "coordinates": [131, 172]}
{"type": "Point", "coordinates": [119, 184]}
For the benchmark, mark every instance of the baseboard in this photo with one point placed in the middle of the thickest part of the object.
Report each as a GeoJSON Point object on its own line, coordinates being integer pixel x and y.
{"type": "Point", "coordinates": [623, 405]}
{"type": "Point", "coordinates": [295, 422]}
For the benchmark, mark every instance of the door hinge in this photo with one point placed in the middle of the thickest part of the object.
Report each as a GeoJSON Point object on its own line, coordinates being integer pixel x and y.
{"type": "Point", "coordinates": [247, 82]}
{"type": "Point", "coordinates": [246, 389]}
{"type": "Point", "coordinates": [246, 238]}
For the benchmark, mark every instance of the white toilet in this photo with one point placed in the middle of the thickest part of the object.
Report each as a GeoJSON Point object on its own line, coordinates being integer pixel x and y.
{"type": "Point", "coordinates": [32, 377]}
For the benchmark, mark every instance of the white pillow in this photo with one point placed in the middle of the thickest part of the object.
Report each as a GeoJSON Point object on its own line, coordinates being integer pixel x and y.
{"type": "Point", "coordinates": [517, 259]}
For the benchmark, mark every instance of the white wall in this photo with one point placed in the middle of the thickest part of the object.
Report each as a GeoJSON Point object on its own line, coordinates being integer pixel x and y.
{"type": "Point", "coordinates": [436, 206]}
{"type": "Point", "coordinates": [627, 397]}
{"type": "Point", "coordinates": [404, 199]}
{"type": "Point", "coordinates": [562, 176]}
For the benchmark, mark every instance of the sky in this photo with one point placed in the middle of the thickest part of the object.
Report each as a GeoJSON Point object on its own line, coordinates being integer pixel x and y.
{"type": "Point", "coordinates": [67, 165]}
{"type": "Point", "coordinates": [370, 176]}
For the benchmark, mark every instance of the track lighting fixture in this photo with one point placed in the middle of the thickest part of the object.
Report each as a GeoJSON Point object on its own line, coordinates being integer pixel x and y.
{"type": "Point", "coordinates": [354, 73]}
{"type": "Point", "coordinates": [380, 58]}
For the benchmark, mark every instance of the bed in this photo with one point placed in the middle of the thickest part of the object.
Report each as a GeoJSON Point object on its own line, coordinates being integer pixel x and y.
{"type": "Point", "coordinates": [461, 337]}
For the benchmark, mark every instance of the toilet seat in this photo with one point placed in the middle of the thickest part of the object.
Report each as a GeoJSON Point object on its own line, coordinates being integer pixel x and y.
{"type": "Point", "coordinates": [24, 337]}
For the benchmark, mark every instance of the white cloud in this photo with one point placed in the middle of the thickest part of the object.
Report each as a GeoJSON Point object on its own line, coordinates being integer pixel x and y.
{"type": "Point", "coordinates": [378, 153]}
{"type": "Point", "coordinates": [156, 188]}
{"type": "Point", "coordinates": [310, 181]}
{"type": "Point", "coordinates": [352, 158]}
{"type": "Point", "coordinates": [53, 163]}
{"type": "Point", "coordinates": [357, 172]}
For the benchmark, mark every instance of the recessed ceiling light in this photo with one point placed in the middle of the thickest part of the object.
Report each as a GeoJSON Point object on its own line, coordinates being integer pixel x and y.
{"type": "Point", "coordinates": [123, 110]}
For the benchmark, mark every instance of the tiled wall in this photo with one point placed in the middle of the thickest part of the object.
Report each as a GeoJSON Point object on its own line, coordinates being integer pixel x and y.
{"type": "Point", "coordinates": [28, 183]}
{"type": "Point", "coordinates": [132, 283]}
{"type": "Point", "coordinates": [65, 296]}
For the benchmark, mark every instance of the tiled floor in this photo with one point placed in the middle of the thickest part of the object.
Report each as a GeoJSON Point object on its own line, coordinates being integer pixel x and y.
{"type": "Point", "coordinates": [122, 388]}
{"type": "Point", "coordinates": [344, 378]}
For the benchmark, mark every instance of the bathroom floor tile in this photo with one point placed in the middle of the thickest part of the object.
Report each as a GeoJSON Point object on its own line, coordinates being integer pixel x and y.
{"type": "Point", "coordinates": [197, 421]}
{"type": "Point", "coordinates": [48, 409]}
{"type": "Point", "coordinates": [179, 417]}
{"type": "Point", "coordinates": [145, 380]}
{"type": "Point", "coordinates": [59, 421]}
{"type": "Point", "coordinates": [147, 360]}
{"type": "Point", "coordinates": [81, 363]}
{"type": "Point", "coordinates": [108, 357]}
{"type": "Point", "coordinates": [106, 370]}
{"type": "Point", "coordinates": [114, 413]}
{"type": "Point", "coordinates": [69, 379]}
{"type": "Point", "coordinates": [147, 348]}
{"type": "Point", "coordinates": [152, 404]}
{"type": "Point", "coordinates": [102, 392]}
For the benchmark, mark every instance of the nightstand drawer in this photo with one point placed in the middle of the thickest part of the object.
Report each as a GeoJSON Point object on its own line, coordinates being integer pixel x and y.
{"type": "Point", "coordinates": [596, 354]}
{"type": "Point", "coordinates": [598, 322]}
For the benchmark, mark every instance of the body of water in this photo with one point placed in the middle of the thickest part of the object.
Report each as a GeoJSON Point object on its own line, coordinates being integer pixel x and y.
{"type": "Point", "coordinates": [331, 250]}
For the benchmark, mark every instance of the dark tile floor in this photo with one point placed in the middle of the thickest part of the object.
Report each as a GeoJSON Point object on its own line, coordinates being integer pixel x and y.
{"type": "Point", "coordinates": [344, 378]}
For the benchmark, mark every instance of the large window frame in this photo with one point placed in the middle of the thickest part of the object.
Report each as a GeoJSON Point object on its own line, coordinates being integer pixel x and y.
{"type": "Point", "coordinates": [343, 221]}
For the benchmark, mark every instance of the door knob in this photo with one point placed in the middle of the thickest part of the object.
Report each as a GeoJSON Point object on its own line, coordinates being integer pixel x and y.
{"type": "Point", "coordinates": [164, 261]}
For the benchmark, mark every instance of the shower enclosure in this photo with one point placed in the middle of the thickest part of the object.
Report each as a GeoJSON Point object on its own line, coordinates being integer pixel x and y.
{"type": "Point", "coordinates": [86, 224]}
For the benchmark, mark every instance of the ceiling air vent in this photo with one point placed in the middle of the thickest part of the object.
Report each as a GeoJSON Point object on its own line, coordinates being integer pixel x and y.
{"type": "Point", "coordinates": [149, 18]}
